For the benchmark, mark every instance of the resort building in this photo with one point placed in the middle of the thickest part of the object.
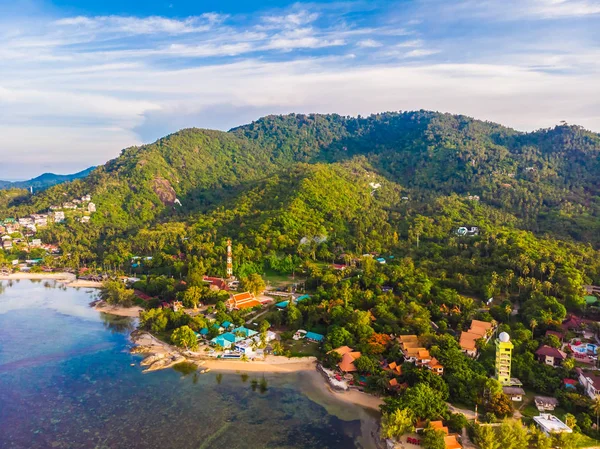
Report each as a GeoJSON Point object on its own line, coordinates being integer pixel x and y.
{"type": "Point", "coordinates": [478, 330]}
{"type": "Point", "coordinates": [348, 355]}
{"type": "Point", "coordinates": [550, 424]}
{"type": "Point", "coordinates": [504, 349]}
{"type": "Point", "coordinates": [590, 382]}
{"type": "Point", "coordinates": [313, 336]}
{"type": "Point", "coordinates": [545, 403]}
{"type": "Point", "coordinates": [514, 393]}
{"type": "Point", "coordinates": [550, 356]}
{"type": "Point", "coordinates": [241, 301]}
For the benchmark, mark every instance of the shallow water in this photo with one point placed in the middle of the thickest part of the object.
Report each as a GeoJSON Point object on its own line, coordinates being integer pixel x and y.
{"type": "Point", "coordinates": [67, 381]}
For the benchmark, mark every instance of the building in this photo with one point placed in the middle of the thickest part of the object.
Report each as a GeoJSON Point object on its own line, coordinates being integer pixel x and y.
{"type": "Point", "coordinates": [504, 349]}
{"type": "Point", "coordinates": [514, 393]}
{"type": "Point", "coordinates": [550, 424]}
{"type": "Point", "coordinates": [241, 301]}
{"type": "Point", "coordinates": [545, 403]}
{"type": "Point", "coordinates": [590, 382]}
{"type": "Point", "coordinates": [436, 367]}
{"type": "Point", "coordinates": [550, 356]}
{"type": "Point", "coordinates": [478, 330]}
{"type": "Point", "coordinates": [35, 243]}
{"type": "Point", "coordinates": [313, 336]}
{"type": "Point", "coordinates": [91, 207]}
{"type": "Point", "coordinates": [58, 216]}
{"type": "Point", "coordinates": [40, 219]}
{"type": "Point", "coordinates": [69, 205]}
{"type": "Point", "coordinates": [468, 231]}
{"type": "Point", "coordinates": [216, 283]}
{"type": "Point", "coordinates": [86, 198]}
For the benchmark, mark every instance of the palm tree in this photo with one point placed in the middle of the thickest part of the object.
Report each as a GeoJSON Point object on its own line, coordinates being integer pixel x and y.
{"type": "Point", "coordinates": [596, 410]}
{"type": "Point", "coordinates": [533, 324]}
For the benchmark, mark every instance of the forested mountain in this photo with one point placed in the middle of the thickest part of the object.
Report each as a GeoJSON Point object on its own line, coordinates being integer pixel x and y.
{"type": "Point", "coordinates": [281, 179]}
{"type": "Point", "coordinates": [45, 180]}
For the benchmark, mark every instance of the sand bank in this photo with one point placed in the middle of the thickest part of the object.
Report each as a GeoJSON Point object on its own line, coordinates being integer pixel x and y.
{"type": "Point", "coordinates": [65, 277]}
{"type": "Point", "coordinates": [84, 284]}
{"type": "Point", "coordinates": [271, 364]}
{"type": "Point", "coordinates": [132, 312]}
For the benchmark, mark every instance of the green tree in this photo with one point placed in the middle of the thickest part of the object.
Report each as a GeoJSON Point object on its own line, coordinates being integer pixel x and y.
{"type": "Point", "coordinates": [184, 337]}
{"type": "Point", "coordinates": [513, 435]}
{"type": "Point", "coordinates": [253, 283]}
{"type": "Point", "coordinates": [424, 401]}
{"type": "Point", "coordinates": [486, 438]}
{"type": "Point", "coordinates": [397, 423]}
{"type": "Point", "coordinates": [433, 438]}
{"type": "Point", "coordinates": [596, 410]}
{"type": "Point", "coordinates": [192, 296]}
{"type": "Point", "coordinates": [116, 293]}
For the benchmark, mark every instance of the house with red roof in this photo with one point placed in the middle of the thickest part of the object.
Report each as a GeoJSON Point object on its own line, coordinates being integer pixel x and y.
{"type": "Point", "coordinates": [550, 356]}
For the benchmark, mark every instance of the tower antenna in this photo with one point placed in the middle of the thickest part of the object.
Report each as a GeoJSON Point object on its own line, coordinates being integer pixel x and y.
{"type": "Point", "coordinates": [229, 259]}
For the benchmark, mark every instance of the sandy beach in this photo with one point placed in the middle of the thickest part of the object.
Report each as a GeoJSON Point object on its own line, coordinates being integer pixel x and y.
{"type": "Point", "coordinates": [132, 312]}
{"type": "Point", "coordinates": [69, 279]}
{"type": "Point", "coordinates": [64, 277]}
{"type": "Point", "coordinates": [271, 364]}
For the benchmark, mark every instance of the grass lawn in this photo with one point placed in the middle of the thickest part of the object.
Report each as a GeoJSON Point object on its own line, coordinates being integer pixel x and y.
{"type": "Point", "coordinates": [280, 280]}
{"type": "Point", "coordinates": [585, 442]}
{"type": "Point", "coordinates": [302, 348]}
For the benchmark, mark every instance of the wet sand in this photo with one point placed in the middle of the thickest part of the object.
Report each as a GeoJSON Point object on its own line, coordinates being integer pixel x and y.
{"type": "Point", "coordinates": [68, 277]}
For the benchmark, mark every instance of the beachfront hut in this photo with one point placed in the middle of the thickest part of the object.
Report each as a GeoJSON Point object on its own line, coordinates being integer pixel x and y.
{"type": "Point", "coordinates": [313, 336]}
{"type": "Point", "coordinates": [225, 340]}
{"type": "Point", "coordinates": [244, 332]}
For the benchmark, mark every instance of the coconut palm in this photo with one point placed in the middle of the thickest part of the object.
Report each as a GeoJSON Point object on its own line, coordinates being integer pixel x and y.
{"type": "Point", "coordinates": [596, 410]}
{"type": "Point", "coordinates": [533, 324]}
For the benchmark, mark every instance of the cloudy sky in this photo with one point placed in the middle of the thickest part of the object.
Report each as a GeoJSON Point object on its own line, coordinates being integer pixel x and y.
{"type": "Point", "coordinates": [80, 80]}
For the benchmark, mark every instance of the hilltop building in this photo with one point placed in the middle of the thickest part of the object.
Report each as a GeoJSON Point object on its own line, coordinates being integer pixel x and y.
{"type": "Point", "coordinates": [478, 330]}
{"type": "Point", "coordinates": [504, 349]}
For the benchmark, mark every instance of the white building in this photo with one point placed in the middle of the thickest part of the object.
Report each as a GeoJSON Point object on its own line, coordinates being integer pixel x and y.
{"type": "Point", "coordinates": [86, 198]}
{"type": "Point", "coordinates": [59, 217]}
{"type": "Point", "coordinates": [550, 424]}
{"type": "Point", "coordinates": [91, 208]}
{"type": "Point", "coordinates": [40, 219]}
{"type": "Point", "coordinates": [590, 382]}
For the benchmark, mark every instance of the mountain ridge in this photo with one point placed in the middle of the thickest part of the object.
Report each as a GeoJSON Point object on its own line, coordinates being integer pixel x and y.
{"type": "Point", "coordinates": [45, 180]}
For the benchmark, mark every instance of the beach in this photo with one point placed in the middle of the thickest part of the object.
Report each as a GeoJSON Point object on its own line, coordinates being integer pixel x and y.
{"type": "Point", "coordinates": [133, 312]}
{"type": "Point", "coordinates": [68, 279]}
{"type": "Point", "coordinates": [271, 364]}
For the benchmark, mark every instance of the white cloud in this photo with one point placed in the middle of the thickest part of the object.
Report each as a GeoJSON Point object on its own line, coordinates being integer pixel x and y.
{"type": "Point", "coordinates": [82, 88]}
{"type": "Point", "coordinates": [136, 25]}
{"type": "Point", "coordinates": [369, 43]}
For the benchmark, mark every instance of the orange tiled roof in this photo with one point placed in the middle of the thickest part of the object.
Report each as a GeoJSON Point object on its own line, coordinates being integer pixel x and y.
{"type": "Point", "coordinates": [452, 442]}
{"type": "Point", "coordinates": [244, 300]}
{"type": "Point", "coordinates": [347, 363]}
{"type": "Point", "coordinates": [341, 350]}
{"type": "Point", "coordinates": [439, 425]}
{"type": "Point", "coordinates": [468, 339]}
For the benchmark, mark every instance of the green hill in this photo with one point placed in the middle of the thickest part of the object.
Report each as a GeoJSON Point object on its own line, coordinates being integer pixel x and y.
{"type": "Point", "coordinates": [282, 178]}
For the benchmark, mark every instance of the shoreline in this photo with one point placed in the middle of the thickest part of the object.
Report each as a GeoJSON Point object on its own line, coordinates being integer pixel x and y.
{"type": "Point", "coordinates": [68, 279]}
{"type": "Point", "coordinates": [151, 347]}
{"type": "Point", "coordinates": [131, 312]}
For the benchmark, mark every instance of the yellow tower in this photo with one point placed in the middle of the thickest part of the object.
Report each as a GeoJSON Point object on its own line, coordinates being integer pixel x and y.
{"type": "Point", "coordinates": [504, 349]}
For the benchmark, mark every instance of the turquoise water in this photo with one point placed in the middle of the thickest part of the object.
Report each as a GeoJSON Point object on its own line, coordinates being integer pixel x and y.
{"type": "Point", "coordinates": [67, 380]}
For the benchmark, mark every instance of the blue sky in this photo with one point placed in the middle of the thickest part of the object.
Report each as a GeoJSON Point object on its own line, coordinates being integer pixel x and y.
{"type": "Point", "coordinates": [79, 80]}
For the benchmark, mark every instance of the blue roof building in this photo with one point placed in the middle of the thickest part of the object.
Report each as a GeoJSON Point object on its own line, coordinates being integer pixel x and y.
{"type": "Point", "coordinates": [313, 336]}
{"type": "Point", "coordinates": [226, 324]}
{"type": "Point", "coordinates": [302, 298]}
{"type": "Point", "coordinates": [204, 331]}
{"type": "Point", "coordinates": [282, 304]}
{"type": "Point", "coordinates": [243, 331]}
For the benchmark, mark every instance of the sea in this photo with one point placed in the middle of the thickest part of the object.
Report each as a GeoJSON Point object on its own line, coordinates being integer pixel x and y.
{"type": "Point", "coordinates": [68, 380]}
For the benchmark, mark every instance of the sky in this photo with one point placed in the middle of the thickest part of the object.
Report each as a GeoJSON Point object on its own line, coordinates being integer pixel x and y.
{"type": "Point", "coordinates": [81, 80]}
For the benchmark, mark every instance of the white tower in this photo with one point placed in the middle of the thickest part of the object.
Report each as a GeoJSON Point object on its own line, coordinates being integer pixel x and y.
{"type": "Point", "coordinates": [229, 259]}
